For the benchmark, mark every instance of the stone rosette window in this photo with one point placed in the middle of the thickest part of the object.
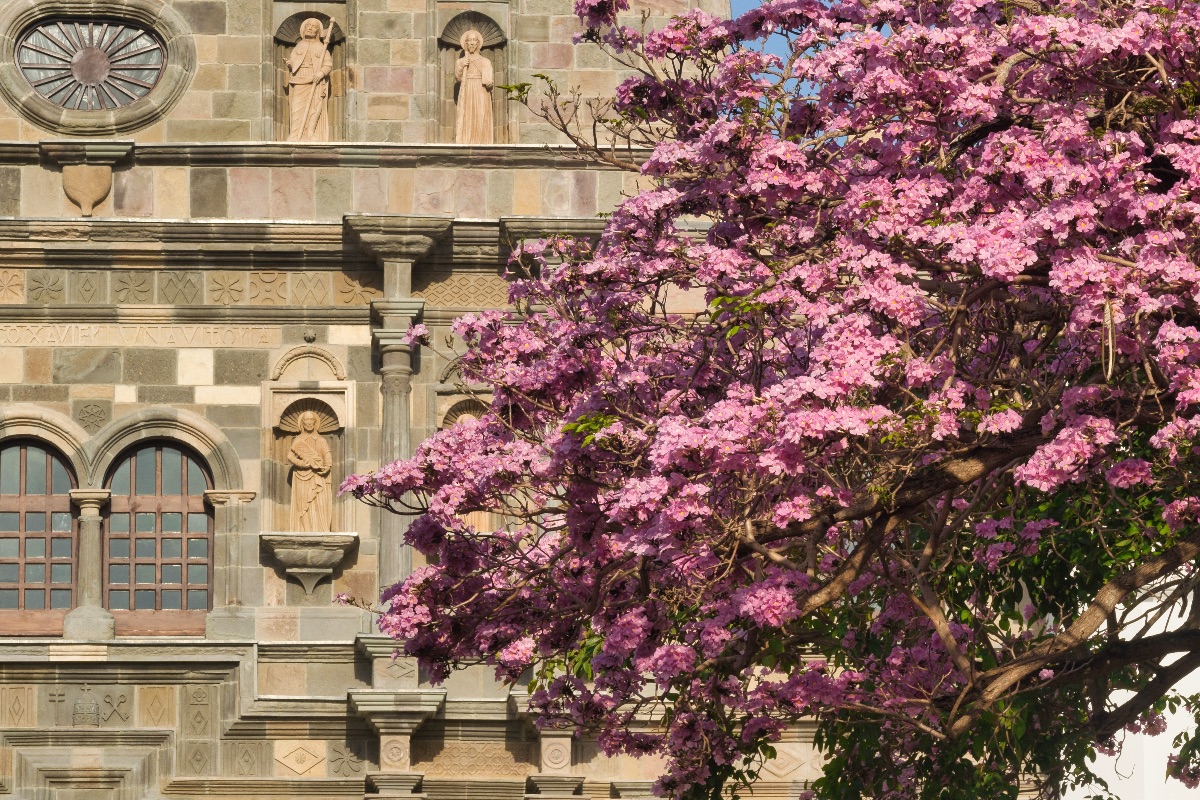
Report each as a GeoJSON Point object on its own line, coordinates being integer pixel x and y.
{"type": "Point", "coordinates": [93, 68]}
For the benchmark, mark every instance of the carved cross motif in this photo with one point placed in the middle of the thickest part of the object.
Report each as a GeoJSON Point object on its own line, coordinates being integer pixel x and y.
{"type": "Point", "coordinates": [57, 698]}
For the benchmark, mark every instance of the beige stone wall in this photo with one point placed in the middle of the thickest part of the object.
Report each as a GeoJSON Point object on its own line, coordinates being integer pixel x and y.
{"type": "Point", "coordinates": [394, 84]}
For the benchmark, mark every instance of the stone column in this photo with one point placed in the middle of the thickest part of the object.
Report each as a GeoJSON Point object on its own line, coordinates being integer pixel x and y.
{"type": "Point", "coordinates": [395, 557]}
{"type": "Point", "coordinates": [229, 618]}
{"type": "Point", "coordinates": [397, 243]}
{"type": "Point", "coordinates": [89, 619]}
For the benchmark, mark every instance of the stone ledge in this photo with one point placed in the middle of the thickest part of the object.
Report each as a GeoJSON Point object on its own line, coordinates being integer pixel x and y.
{"type": "Point", "coordinates": [343, 154]}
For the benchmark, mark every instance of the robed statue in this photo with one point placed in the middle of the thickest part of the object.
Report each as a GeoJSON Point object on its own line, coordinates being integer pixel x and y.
{"type": "Point", "coordinates": [473, 115]}
{"type": "Point", "coordinates": [308, 67]}
{"type": "Point", "coordinates": [312, 488]}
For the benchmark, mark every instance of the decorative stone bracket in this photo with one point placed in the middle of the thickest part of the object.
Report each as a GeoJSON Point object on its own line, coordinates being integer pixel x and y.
{"type": "Point", "coordinates": [86, 169]}
{"type": "Point", "coordinates": [394, 716]}
{"type": "Point", "coordinates": [309, 557]}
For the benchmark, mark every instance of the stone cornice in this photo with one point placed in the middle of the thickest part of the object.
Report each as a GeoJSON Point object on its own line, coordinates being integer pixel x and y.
{"type": "Point", "coordinates": [341, 154]}
{"type": "Point", "coordinates": [399, 237]}
{"type": "Point", "coordinates": [191, 315]}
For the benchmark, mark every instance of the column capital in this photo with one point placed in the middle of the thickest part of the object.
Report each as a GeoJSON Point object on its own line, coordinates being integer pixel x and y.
{"type": "Point", "coordinates": [90, 499]}
{"type": "Point", "coordinates": [228, 497]}
{"type": "Point", "coordinates": [397, 237]}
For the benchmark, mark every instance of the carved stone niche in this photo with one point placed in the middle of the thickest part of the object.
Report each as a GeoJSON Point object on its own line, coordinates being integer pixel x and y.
{"type": "Point", "coordinates": [494, 49]}
{"type": "Point", "coordinates": [306, 379]}
{"type": "Point", "coordinates": [285, 39]}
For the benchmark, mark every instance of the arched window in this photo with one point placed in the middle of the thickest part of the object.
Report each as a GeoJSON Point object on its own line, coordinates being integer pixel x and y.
{"type": "Point", "coordinates": [158, 543]}
{"type": "Point", "coordinates": [37, 530]}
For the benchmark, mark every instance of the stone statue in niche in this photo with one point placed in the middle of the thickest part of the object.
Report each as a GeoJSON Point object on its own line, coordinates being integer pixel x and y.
{"type": "Point", "coordinates": [312, 488]}
{"type": "Point", "coordinates": [473, 115]}
{"type": "Point", "coordinates": [308, 67]}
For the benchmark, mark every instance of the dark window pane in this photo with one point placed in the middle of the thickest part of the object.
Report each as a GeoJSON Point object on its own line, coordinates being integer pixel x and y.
{"type": "Point", "coordinates": [119, 523]}
{"type": "Point", "coordinates": [172, 523]}
{"type": "Point", "coordinates": [145, 466]}
{"type": "Point", "coordinates": [35, 521]}
{"type": "Point", "coordinates": [172, 573]}
{"type": "Point", "coordinates": [60, 548]}
{"type": "Point", "coordinates": [60, 481]}
{"type": "Point", "coordinates": [60, 598]}
{"type": "Point", "coordinates": [10, 573]}
{"type": "Point", "coordinates": [119, 484]}
{"type": "Point", "coordinates": [172, 599]}
{"type": "Point", "coordinates": [60, 522]}
{"type": "Point", "coordinates": [10, 521]}
{"type": "Point", "coordinates": [10, 470]}
{"type": "Point", "coordinates": [35, 470]}
{"type": "Point", "coordinates": [35, 573]}
{"type": "Point", "coordinates": [118, 599]}
{"type": "Point", "coordinates": [197, 599]}
{"type": "Point", "coordinates": [144, 522]}
{"type": "Point", "coordinates": [197, 548]}
{"type": "Point", "coordinates": [172, 472]}
{"type": "Point", "coordinates": [35, 548]}
{"type": "Point", "coordinates": [197, 523]}
{"type": "Point", "coordinates": [118, 573]}
{"type": "Point", "coordinates": [172, 548]}
{"type": "Point", "coordinates": [144, 599]}
{"type": "Point", "coordinates": [60, 573]}
{"type": "Point", "coordinates": [118, 548]}
{"type": "Point", "coordinates": [144, 548]}
{"type": "Point", "coordinates": [8, 598]}
{"type": "Point", "coordinates": [198, 574]}
{"type": "Point", "coordinates": [10, 548]}
{"type": "Point", "coordinates": [35, 599]}
{"type": "Point", "coordinates": [144, 573]}
{"type": "Point", "coordinates": [196, 482]}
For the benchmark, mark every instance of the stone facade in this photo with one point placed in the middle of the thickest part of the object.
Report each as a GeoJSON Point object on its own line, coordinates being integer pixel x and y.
{"type": "Point", "coordinates": [177, 278]}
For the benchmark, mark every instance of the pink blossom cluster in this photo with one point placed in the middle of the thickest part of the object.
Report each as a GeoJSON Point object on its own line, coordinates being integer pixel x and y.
{"type": "Point", "coordinates": [951, 341]}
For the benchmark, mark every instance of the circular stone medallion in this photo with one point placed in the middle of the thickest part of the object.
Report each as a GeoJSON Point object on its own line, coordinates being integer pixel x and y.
{"type": "Point", "coordinates": [90, 65]}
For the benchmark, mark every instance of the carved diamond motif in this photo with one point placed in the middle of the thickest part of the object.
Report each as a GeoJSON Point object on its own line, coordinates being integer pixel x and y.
{"type": "Point", "coordinates": [300, 760]}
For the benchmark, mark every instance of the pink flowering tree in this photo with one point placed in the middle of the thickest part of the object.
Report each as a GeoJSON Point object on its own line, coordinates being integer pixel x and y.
{"type": "Point", "coordinates": [919, 467]}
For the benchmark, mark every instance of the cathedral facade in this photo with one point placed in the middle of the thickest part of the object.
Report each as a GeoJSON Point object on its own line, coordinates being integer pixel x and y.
{"type": "Point", "coordinates": [217, 220]}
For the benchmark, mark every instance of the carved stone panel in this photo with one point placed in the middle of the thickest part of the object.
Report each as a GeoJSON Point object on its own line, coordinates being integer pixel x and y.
{"type": "Point", "coordinates": [156, 706]}
{"type": "Point", "coordinates": [462, 289]}
{"type": "Point", "coordinates": [395, 754]}
{"type": "Point", "coordinates": [87, 286]}
{"type": "Point", "coordinates": [198, 711]}
{"type": "Point", "coordinates": [311, 289]}
{"type": "Point", "coordinates": [197, 758]}
{"type": "Point", "coordinates": [347, 759]}
{"type": "Point", "coordinates": [181, 288]}
{"type": "Point", "coordinates": [18, 707]}
{"type": "Point", "coordinates": [453, 758]}
{"type": "Point", "coordinates": [226, 288]}
{"type": "Point", "coordinates": [247, 759]}
{"type": "Point", "coordinates": [268, 288]}
{"type": "Point", "coordinates": [46, 286]}
{"type": "Point", "coordinates": [295, 757]}
{"type": "Point", "coordinates": [12, 286]}
{"type": "Point", "coordinates": [357, 288]}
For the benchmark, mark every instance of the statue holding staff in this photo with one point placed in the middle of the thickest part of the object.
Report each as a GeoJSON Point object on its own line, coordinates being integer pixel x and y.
{"type": "Point", "coordinates": [473, 115]}
{"type": "Point", "coordinates": [309, 66]}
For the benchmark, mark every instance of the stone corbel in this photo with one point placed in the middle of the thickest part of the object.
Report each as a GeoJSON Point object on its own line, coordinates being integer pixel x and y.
{"type": "Point", "coordinates": [87, 169]}
{"type": "Point", "coordinates": [309, 557]}
{"type": "Point", "coordinates": [397, 242]}
{"type": "Point", "coordinates": [394, 716]}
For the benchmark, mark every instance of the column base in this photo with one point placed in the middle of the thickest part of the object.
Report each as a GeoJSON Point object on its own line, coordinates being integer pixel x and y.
{"type": "Point", "coordinates": [230, 622]}
{"type": "Point", "coordinates": [90, 623]}
{"type": "Point", "coordinates": [549, 786]}
{"type": "Point", "coordinates": [394, 784]}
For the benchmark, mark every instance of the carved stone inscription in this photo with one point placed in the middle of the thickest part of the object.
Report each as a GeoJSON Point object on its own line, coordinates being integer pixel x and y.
{"type": "Point", "coordinates": [107, 335]}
